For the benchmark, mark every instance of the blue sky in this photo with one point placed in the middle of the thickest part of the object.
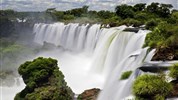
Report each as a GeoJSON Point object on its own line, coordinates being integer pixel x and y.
{"type": "Point", "coordinates": [41, 5]}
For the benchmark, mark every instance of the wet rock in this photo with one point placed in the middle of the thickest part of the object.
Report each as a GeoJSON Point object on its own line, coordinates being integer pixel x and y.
{"type": "Point", "coordinates": [174, 93]}
{"type": "Point", "coordinates": [164, 54]}
{"type": "Point", "coordinates": [90, 94]}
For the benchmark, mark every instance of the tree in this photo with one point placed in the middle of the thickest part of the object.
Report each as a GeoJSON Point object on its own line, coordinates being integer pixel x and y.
{"type": "Point", "coordinates": [85, 9]}
{"type": "Point", "coordinates": [59, 15]}
{"type": "Point", "coordinates": [153, 8]}
{"type": "Point", "coordinates": [139, 7]}
{"type": "Point", "coordinates": [124, 11]}
{"type": "Point", "coordinates": [78, 12]}
{"type": "Point", "coordinates": [164, 10]}
{"type": "Point", "coordinates": [105, 14]}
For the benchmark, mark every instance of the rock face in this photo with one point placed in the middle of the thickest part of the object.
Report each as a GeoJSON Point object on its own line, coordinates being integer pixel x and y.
{"type": "Point", "coordinates": [43, 81]}
{"type": "Point", "coordinates": [175, 89]}
{"type": "Point", "coordinates": [91, 94]}
{"type": "Point", "coordinates": [165, 54]}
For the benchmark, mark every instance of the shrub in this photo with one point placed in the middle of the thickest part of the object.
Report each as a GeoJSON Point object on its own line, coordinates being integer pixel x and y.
{"type": "Point", "coordinates": [125, 75]}
{"type": "Point", "coordinates": [174, 71]}
{"type": "Point", "coordinates": [151, 24]}
{"type": "Point", "coordinates": [43, 81]}
{"type": "Point", "coordinates": [151, 87]}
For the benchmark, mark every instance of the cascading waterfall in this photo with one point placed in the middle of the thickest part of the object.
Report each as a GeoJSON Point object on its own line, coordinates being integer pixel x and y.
{"type": "Point", "coordinates": [113, 51]}
{"type": "Point", "coordinates": [71, 36]}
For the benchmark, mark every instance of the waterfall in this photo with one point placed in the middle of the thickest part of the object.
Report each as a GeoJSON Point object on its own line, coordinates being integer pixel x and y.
{"type": "Point", "coordinates": [113, 51]}
{"type": "Point", "coordinates": [70, 37]}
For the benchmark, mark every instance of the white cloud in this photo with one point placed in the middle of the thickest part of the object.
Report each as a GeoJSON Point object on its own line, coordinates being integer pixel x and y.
{"type": "Point", "coordinates": [41, 5]}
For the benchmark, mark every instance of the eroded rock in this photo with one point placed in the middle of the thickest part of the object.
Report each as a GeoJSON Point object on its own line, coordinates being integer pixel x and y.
{"type": "Point", "coordinates": [90, 94]}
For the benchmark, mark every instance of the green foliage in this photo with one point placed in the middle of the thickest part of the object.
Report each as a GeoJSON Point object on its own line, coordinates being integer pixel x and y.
{"type": "Point", "coordinates": [142, 16]}
{"type": "Point", "coordinates": [48, 93]}
{"type": "Point", "coordinates": [151, 87]}
{"type": "Point", "coordinates": [151, 24]}
{"type": "Point", "coordinates": [125, 75]}
{"type": "Point", "coordinates": [163, 35]}
{"type": "Point", "coordinates": [78, 12]}
{"type": "Point", "coordinates": [153, 7]}
{"type": "Point", "coordinates": [164, 10]}
{"type": "Point", "coordinates": [124, 11]}
{"type": "Point", "coordinates": [174, 71]}
{"type": "Point", "coordinates": [105, 14]}
{"type": "Point", "coordinates": [139, 7]}
{"type": "Point", "coordinates": [68, 17]}
{"type": "Point", "coordinates": [43, 81]}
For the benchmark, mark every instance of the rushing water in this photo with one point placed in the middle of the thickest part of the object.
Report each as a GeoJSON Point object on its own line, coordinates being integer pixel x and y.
{"type": "Point", "coordinates": [110, 52]}
{"type": "Point", "coordinates": [91, 57]}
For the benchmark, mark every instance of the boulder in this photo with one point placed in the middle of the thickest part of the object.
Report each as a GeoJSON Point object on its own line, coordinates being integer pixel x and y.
{"type": "Point", "coordinates": [90, 94]}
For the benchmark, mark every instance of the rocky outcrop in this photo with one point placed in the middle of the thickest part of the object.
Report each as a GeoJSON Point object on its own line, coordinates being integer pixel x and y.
{"type": "Point", "coordinates": [90, 94]}
{"type": "Point", "coordinates": [43, 81]}
{"type": "Point", "coordinates": [165, 54]}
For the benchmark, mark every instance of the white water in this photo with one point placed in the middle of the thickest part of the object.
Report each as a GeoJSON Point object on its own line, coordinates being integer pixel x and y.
{"type": "Point", "coordinates": [75, 68]}
{"type": "Point", "coordinates": [109, 53]}
{"type": "Point", "coordinates": [8, 93]}
{"type": "Point", "coordinates": [91, 57]}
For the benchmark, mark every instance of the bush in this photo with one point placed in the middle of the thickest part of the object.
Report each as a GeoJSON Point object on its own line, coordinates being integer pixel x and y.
{"type": "Point", "coordinates": [151, 87]}
{"type": "Point", "coordinates": [43, 81]}
{"type": "Point", "coordinates": [125, 75]}
{"type": "Point", "coordinates": [151, 24]}
{"type": "Point", "coordinates": [161, 35]}
{"type": "Point", "coordinates": [174, 71]}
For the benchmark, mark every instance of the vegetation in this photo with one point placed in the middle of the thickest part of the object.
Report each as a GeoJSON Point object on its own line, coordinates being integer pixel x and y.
{"type": "Point", "coordinates": [125, 75]}
{"type": "Point", "coordinates": [43, 81]}
{"type": "Point", "coordinates": [174, 71]}
{"type": "Point", "coordinates": [151, 87]}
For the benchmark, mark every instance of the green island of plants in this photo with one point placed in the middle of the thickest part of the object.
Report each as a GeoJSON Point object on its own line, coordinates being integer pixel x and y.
{"type": "Point", "coordinates": [125, 75]}
{"type": "Point", "coordinates": [155, 87]}
{"type": "Point", "coordinates": [43, 81]}
{"type": "Point", "coordinates": [151, 87]}
{"type": "Point", "coordinates": [174, 71]}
